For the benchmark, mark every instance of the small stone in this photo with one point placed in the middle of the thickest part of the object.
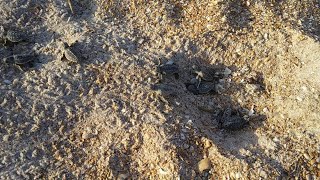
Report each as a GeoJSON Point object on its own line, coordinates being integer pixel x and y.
{"type": "Point", "coordinates": [207, 144]}
{"type": "Point", "coordinates": [6, 138]}
{"type": "Point", "coordinates": [170, 62]}
{"type": "Point", "coordinates": [238, 175]}
{"type": "Point", "coordinates": [182, 136]}
{"type": "Point", "coordinates": [34, 153]}
{"type": "Point", "coordinates": [227, 71]}
{"type": "Point", "coordinates": [191, 148]}
{"type": "Point", "coordinates": [186, 146]}
{"type": "Point", "coordinates": [204, 164]}
{"type": "Point", "coordinates": [306, 156]}
{"type": "Point", "coordinates": [251, 88]}
{"type": "Point", "coordinates": [162, 171]}
{"type": "Point", "coordinates": [265, 110]}
{"type": "Point", "coordinates": [313, 162]}
{"type": "Point", "coordinates": [122, 176]}
{"type": "Point", "coordinates": [7, 81]}
{"type": "Point", "coordinates": [251, 112]}
{"type": "Point", "coordinates": [263, 174]}
{"type": "Point", "coordinates": [275, 139]}
{"type": "Point", "coordinates": [309, 177]}
{"type": "Point", "coordinates": [140, 41]}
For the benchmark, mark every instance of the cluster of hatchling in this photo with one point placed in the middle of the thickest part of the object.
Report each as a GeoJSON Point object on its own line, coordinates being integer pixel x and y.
{"type": "Point", "coordinates": [205, 81]}
{"type": "Point", "coordinates": [14, 37]}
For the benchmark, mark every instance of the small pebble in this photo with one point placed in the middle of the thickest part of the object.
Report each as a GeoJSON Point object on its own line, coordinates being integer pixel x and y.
{"type": "Point", "coordinates": [306, 156]}
{"type": "Point", "coordinates": [6, 138]}
{"type": "Point", "coordinates": [122, 176]}
{"type": "Point", "coordinates": [238, 175]}
{"type": "Point", "coordinates": [7, 81]}
{"type": "Point", "coordinates": [263, 174]}
{"type": "Point", "coordinates": [265, 110]}
{"type": "Point", "coordinates": [34, 153]}
{"type": "Point", "coordinates": [186, 146]}
{"type": "Point", "coordinates": [227, 71]}
{"type": "Point", "coordinates": [207, 144]}
{"type": "Point", "coordinates": [309, 177]}
{"type": "Point", "coordinates": [182, 136]}
{"type": "Point", "coordinates": [191, 148]}
{"type": "Point", "coordinates": [275, 139]}
{"type": "Point", "coordinates": [313, 162]}
{"type": "Point", "coordinates": [204, 164]}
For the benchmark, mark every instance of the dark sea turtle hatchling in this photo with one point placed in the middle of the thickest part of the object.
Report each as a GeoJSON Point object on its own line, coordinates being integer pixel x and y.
{"type": "Point", "coordinates": [168, 69]}
{"type": "Point", "coordinates": [14, 36]}
{"type": "Point", "coordinates": [232, 120]}
{"type": "Point", "coordinates": [70, 56]}
{"type": "Point", "coordinates": [206, 87]}
{"type": "Point", "coordinates": [202, 88]}
{"type": "Point", "coordinates": [234, 123]}
{"type": "Point", "coordinates": [20, 59]}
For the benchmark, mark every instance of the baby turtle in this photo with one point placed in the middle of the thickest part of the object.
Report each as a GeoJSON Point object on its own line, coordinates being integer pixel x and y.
{"type": "Point", "coordinates": [202, 88]}
{"type": "Point", "coordinates": [15, 36]}
{"type": "Point", "coordinates": [168, 69]}
{"type": "Point", "coordinates": [70, 56]}
{"type": "Point", "coordinates": [232, 120]}
{"type": "Point", "coordinates": [20, 59]}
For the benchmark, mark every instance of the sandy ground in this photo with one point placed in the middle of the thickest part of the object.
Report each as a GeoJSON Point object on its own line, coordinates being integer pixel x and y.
{"type": "Point", "coordinates": [100, 118]}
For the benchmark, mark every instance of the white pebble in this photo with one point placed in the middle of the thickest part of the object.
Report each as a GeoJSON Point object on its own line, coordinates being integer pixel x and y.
{"type": "Point", "coordinates": [299, 98]}
{"type": "Point", "coordinates": [5, 138]}
{"type": "Point", "coordinates": [238, 175]}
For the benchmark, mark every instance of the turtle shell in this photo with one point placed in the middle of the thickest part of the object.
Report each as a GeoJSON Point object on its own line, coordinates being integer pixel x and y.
{"type": "Point", "coordinates": [23, 58]}
{"type": "Point", "coordinates": [15, 36]}
{"type": "Point", "coordinates": [168, 69]}
{"type": "Point", "coordinates": [232, 119]}
{"type": "Point", "coordinates": [203, 88]}
{"type": "Point", "coordinates": [234, 123]}
{"type": "Point", "coordinates": [206, 87]}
